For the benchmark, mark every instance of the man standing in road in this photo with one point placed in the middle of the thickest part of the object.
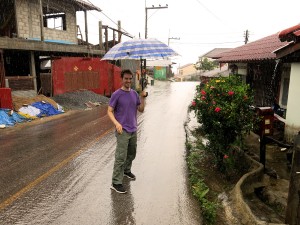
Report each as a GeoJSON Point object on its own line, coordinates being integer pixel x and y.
{"type": "Point", "coordinates": [122, 111]}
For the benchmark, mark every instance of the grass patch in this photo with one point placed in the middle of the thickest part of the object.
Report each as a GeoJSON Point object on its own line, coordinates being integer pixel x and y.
{"type": "Point", "coordinates": [200, 190]}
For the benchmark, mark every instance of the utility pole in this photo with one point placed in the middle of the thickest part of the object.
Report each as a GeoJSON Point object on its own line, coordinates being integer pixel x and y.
{"type": "Point", "coordinates": [246, 35]}
{"type": "Point", "coordinates": [146, 17]}
{"type": "Point", "coordinates": [175, 38]}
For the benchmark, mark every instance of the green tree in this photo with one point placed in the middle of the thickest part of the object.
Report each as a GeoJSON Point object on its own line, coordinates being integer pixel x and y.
{"type": "Point", "coordinates": [204, 64]}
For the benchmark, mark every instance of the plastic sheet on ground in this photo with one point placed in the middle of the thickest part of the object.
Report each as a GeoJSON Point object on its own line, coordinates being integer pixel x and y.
{"type": "Point", "coordinates": [10, 118]}
{"type": "Point", "coordinates": [30, 110]}
{"type": "Point", "coordinates": [46, 109]}
{"type": "Point", "coordinates": [27, 116]}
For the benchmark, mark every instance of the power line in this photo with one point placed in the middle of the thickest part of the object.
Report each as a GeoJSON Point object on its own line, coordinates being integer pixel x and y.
{"type": "Point", "coordinates": [197, 43]}
{"type": "Point", "coordinates": [109, 19]}
{"type": "Point", "coordinates": [211, 34]}
{"type": "Point", "coordinates": [207, 9]}
{"type": "Point", "coordinates": [116, 23]}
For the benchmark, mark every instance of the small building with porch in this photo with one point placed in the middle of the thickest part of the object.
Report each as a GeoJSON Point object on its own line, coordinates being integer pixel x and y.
{"type": "Point", "coordinates": [271, 67]}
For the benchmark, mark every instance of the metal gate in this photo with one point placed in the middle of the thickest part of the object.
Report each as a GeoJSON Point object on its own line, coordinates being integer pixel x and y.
{"type": "Point", "coordinates": [76, 73]}
{"type": "Point", "coordinates": [81, 80]}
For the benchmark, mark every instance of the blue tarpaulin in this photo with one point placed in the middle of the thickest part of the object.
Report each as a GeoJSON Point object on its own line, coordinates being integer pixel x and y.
{"type": "Point", "coordinates": [46, 109]}
{"type": "Point", "coordinates": [10, 119]}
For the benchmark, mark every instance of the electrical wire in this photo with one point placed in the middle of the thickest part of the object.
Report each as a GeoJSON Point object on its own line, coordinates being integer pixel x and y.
{"type": "Point", "coordinates": [109, 19]}
{"type": "Point", "coordinates": [198, 43]}
{"type": "Point", "coordinates": [208, 10]}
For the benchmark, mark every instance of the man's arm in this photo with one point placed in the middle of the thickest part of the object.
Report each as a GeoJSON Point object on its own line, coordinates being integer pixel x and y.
{"type": "Point", "coordinates": [110, 113]}
{"type": "Point", "coordinates": [141, 107]}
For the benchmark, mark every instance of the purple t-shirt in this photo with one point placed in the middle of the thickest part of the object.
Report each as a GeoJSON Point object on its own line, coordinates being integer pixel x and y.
{"type": "Point", "coordinates": [125, 104]}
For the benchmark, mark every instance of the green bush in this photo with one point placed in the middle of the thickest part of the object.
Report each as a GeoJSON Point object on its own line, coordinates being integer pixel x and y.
{"type": "Point", "coordinates": [222, 107]}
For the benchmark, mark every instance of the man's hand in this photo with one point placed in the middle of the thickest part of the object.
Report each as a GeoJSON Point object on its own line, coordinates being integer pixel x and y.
{"type": "Point", "coordinates": [144, 94]}
{"type": "Point", "coordinates": [110, 113]}
{"type": "Point", "coordinates": [119, 128]}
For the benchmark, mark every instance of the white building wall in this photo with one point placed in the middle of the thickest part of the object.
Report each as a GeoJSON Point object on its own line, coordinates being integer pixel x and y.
{"type": "Point", "coordinates": [293, 106]}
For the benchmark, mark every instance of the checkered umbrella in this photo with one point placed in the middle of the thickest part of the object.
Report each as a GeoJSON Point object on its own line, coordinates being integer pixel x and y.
{"type": "Point", "coordinates": [140, 49]}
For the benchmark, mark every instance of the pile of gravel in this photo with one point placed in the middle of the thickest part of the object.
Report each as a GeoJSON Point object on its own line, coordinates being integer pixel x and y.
{"type": "Point", "coordinates": [78, 99]}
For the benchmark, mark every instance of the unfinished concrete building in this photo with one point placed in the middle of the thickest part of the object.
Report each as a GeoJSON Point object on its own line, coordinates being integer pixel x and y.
{"type": "Point", "coordinates": [32, 32]}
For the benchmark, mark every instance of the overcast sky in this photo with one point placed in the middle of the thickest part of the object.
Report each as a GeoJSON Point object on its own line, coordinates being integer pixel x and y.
{"type": "Point", "coordinates": [201, 25]}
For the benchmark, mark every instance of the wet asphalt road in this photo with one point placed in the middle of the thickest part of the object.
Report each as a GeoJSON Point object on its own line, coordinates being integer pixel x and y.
{"type": "Point", "coordinates": [59, 171]}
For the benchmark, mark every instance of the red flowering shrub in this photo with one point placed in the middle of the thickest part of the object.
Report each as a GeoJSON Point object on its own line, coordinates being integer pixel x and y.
{"type": "Point", "coordinates": [222, 107]}
{"type": "Point", "coordinates": [230, 93]}
{"type": "Point", "coordinates": [217, 109]}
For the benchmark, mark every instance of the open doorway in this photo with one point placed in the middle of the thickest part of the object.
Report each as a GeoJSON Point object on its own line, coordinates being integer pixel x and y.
{"type": "Point", "coordinates": [7, 19]}
{"type": "Point", "coordinates": [2, 71]}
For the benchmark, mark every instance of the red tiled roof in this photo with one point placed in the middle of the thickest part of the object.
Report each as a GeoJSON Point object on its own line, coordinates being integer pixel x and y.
{"type": "Point", "coordinates": [289, 33]}
{"type": "Point", "coordinates": [297, 33]}
{"type": "Point", "coordinates": [261, 49]}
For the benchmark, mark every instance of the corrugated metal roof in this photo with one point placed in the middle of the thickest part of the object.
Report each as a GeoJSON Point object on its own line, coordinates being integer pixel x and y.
{"type": "Point", "coordinates": [215, 52]}
{"type": "Point", "coordinates": [262, 49]}
{"type": "Point", "coordinates": [163, 62]}
{"type": "Point", "coordinates": [186, 65]}
{"type": "Point", "coordinates": [85, 5]}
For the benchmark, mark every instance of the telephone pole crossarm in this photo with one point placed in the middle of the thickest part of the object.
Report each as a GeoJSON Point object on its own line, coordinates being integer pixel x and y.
{"type": "Point", "coordinates": [146, 15]}
{"type": "Point", "coordinates": [174, 38]}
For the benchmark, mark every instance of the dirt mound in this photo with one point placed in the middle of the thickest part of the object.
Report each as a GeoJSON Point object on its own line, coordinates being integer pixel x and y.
{"type": "Point", "coordinates": [76, 100]}
{"type": "Point", "coordinates": [19, 101]}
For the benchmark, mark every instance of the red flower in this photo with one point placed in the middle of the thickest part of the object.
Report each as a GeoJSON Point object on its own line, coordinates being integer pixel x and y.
{"type": "Point", "coordinates": [230, 93]}
{"type": "Point", "coordinates": [226, 156]}
{"type": "Point", "coordinates": [193, 103]}
{"type": "Point", "coordinates": [217, 109]}
{"type": "Point", "coordinates": [203, 92]}
{"type": "Point", "coordinates": [213, 102]}
{"type": "Point", "coordinates": [203, 98]}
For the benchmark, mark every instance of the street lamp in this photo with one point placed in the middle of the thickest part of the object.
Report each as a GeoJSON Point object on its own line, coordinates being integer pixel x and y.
{"type": "Point", "coordinates": [146, 17]}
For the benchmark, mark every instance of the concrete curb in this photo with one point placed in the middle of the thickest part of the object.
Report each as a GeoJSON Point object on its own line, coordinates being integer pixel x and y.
{"type": "Point", "coordinates": [245, 185]}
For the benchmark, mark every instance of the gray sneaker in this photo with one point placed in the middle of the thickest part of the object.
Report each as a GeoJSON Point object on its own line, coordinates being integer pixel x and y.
{"type": "Point", "coordinates": [130, 175]}
{"type": "Point", "coordinates": [118, 188]}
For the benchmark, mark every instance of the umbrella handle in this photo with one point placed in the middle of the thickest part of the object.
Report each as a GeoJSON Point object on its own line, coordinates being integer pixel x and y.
{"type": "Point", "coordinates": [143, 87]}
{"type": "Point", "coordinates": [143, 75]}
